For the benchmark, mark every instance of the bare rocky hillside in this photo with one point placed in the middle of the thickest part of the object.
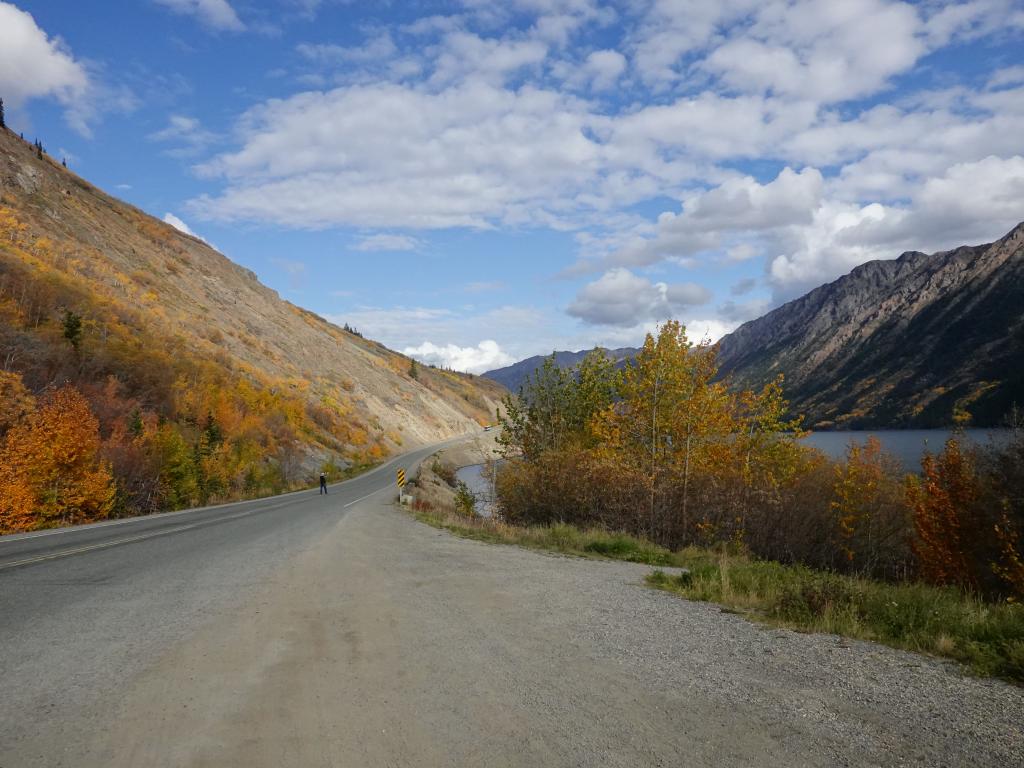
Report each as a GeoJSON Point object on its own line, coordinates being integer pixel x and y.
{"type": "Point", "coordinates": [908, 342]}
{"type": "Point", "coordinates": [188, 293]}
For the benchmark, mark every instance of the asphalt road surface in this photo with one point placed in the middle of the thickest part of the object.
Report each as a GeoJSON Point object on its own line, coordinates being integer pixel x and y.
{"type": "Point", "coordinates": [337, 631]}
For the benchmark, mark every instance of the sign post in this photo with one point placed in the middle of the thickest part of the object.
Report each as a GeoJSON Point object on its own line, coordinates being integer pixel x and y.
{"type": "Point", "coordinates": [401, 482]}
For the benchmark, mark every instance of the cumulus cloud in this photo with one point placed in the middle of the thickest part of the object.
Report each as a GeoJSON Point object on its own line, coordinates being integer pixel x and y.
{"type": "Point", "coordinates": [215, 14]}
{"type": "Point", "coordinates": [739, 205]}
{"type": "Point", "coordinates": [522, 122]}
{"type": "Point", "coordinates": [386, 242]}
{"type": "Point", "coordinates": [485, 356]}
{"type": "Point", "coordinates": [824, 51]}
{"type": "Point", "coordinates": [843, 235]}
{"type": "Point", "coordinates": [603, 68]}
{"type": "Point", "coordinates": [622, 298]}
{"type": "Point", "coordinates": [33, 65]}
{"type": "Point", "coordinates": [476, 154]}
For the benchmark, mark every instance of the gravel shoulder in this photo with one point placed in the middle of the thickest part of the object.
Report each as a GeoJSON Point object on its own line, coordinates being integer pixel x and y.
{"type": "Point", "coordinates": [391, 643]}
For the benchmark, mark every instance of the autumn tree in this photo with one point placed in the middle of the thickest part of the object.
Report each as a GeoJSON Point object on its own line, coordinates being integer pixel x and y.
{"type": "Point", "coordinates": [942, 500]}
{"type": "Point", "coordinates": [867, 504]}
{"type": "Point", "coordinates": [16, 402]}
{"type": "Point", "coordinates": [673, 422]}
{"type": "Point", "coordinates": [50, 471]}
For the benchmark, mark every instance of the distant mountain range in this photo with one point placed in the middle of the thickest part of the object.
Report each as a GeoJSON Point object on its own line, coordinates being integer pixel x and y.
{"type": "Point", "coordinates": [512, 377]}
{"type": "Point", "coordinates": [899, 343]}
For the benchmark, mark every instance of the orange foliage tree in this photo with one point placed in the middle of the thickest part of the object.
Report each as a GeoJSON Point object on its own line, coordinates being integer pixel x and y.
{"type": "Point", "coordinates": [941, 501]}
{"type": "Point", "coordinates": [16, 402]}
{"type": "Point", "coordinates": [50, 471]}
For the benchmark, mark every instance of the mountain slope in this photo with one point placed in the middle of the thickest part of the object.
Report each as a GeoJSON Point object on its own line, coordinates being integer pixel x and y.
{"type": "Point", "coordinates": [512, 377]}
{"type": "Point", "coordinates": [900, 343]}
{"type": "Point", "coordinates": [171, 336]}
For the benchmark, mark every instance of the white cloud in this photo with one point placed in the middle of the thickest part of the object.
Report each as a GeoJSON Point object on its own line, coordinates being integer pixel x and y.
{"type": "Point", "coordinates": [475, 154]}
{"type": "Point", "coordinates": [386, 242]}
{"type": "Point", "coordinates": [485, 356]}
{"type": "Point", "coordinates": [603, 68]}
{"type": "Point", "coordinates": [32, 65]}
{"type": "Point", "coordinates": [972, 19]}
{"type": "Point", "coordinates": [375, 49]}
{"type": "Point", "coordinates": [821, 50]}
{"type": "Point", "coordinates": [1007, 76]}
{"type": "Point", "coordinates": [187, 132]}
{"type": "Point", "coordinates": [737, 206]}
{"type": "Point", "coordinates": [522, 122]}
{"type": "Point", "coordinates": [622, 298]}
{"type": "Point", "coordinates": [215, 14]}
{"type": "Point", "coordinates": [940, 215]}
{"type": "Point", "coordinates": [464, 53]}
{"type": "Point", "coordinates": [178, 224]}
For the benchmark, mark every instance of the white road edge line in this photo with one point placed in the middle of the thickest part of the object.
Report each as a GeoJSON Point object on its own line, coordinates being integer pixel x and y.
{"type": "Point", "coordinates": [362, 498]}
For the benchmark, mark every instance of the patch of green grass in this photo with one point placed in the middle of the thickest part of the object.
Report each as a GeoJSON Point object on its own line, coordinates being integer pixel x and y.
{"type": "Point", "coordinates": [987, 638]}
{"type": "Point", "coordinates": [560, 537]}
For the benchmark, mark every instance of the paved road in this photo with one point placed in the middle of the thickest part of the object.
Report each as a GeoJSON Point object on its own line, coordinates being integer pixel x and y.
{"type": "Point", "coordinates": [310, 633]}
{"type": "Point", "coordinates": [84, 609]}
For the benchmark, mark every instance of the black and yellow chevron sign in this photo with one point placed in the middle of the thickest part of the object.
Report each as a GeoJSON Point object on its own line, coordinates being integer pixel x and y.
{"type": "Point", "coordinates": [401, 478]}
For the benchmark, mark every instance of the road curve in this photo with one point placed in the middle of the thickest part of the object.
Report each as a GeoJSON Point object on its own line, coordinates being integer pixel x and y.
{"type": "Point", "coordinates": [338, 631]}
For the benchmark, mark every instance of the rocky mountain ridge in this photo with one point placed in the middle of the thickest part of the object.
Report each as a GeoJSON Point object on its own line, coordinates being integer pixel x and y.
{"type": "Point", "coordinates": [916, 341]}
{"type": "Point", "coordinates": [908, 342]}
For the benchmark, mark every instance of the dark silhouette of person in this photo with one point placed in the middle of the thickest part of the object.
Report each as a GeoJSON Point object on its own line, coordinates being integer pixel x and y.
{"type": "Point", "coordinates": [323, 482]}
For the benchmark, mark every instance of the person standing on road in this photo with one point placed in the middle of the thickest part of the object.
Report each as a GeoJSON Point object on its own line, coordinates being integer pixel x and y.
{"type": "Point", "coordinates": [323, 483]}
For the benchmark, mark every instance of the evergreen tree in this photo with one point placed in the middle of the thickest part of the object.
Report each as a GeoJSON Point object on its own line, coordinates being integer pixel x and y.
{"type": "Point", "coordinates": [135, 425]}
{"type": "Point", "coordinates": [72, 328]}
{"type": "Point", "coordinates": [212, 432]}
{"type": "Point", "coordinates": [3, 122]}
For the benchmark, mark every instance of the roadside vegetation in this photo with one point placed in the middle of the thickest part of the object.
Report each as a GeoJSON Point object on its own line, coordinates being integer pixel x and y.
{"type": "Point", "coordinates": [662, 463]}
{"type": "Point", "coordinates": [103, 413]}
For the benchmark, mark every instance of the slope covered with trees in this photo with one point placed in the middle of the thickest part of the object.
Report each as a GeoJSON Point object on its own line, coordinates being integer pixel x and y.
{"type": "Point", "coordinates": [140, 370]}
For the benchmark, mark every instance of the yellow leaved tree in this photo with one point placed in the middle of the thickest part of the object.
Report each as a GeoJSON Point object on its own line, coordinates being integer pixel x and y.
{"type": "Point", "coordinates": [50, 470]}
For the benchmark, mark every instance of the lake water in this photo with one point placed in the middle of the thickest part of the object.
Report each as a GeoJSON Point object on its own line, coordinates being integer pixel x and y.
{"type": "Point", "coordinates": [907, 445]}
{"type": "Point", "coordinates": [473, 477]}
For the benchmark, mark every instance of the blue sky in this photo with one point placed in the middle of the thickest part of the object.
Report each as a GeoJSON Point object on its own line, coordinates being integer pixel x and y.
{"type": "Point", "coordinates": [476, 182]}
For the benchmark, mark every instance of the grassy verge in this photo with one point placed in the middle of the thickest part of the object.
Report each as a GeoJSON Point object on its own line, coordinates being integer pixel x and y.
{"type": "Point", "coordinates": [987, 638]}
{"type": "Point", "coordinates": [566, 539]}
